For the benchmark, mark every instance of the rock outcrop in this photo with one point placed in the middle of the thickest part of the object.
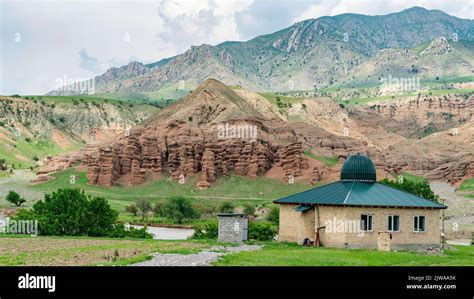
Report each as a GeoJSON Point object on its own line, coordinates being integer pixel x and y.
{"type": "Point", "coordinates": [182, 151]}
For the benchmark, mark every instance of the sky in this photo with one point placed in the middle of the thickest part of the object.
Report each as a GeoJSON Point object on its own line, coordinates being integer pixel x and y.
{"type": "Point", "coordinates": [45, 43]}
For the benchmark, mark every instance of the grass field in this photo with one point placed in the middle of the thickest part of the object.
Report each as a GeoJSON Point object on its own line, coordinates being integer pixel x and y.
{"type": "Point", "coordinates": [77, 251]}
{"type": "Point", "coordinates": [22, 152]}
{"type": "Point", "coordinates": [328, 161]}
{"type": "Point", "coordinates": [294, 255]}
{"type": "Point", "coordinates": [85, 251]}
{"type": "Point", "coordinates": [284, 99]}
{"type": "Point", "coordinates": [467, 188]}
{"type": "Point", "coordinates": [240, 190]}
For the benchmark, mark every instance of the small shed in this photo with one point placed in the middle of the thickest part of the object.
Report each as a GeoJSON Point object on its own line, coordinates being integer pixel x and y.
{"type": "Point", "coordinates": [233, 227]}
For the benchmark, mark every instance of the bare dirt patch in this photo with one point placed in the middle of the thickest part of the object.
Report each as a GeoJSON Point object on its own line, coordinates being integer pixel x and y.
{"type": "Point", "coordinates": [55, 251]}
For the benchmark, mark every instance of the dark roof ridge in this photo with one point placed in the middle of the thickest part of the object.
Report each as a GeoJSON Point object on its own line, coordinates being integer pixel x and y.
{"type": "Point", "coordinates": [308, 190]}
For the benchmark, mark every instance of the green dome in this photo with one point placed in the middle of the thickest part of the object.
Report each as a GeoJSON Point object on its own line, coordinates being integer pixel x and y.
{"type": "Point", "coordinates": [358, 168]}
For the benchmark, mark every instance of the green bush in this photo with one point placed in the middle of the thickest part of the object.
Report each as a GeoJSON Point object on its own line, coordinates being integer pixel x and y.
{"type": "Point", "coordinates": [69, 212]}
{"type": "Point", "coordinates": [226, 207]}
{"type": "Point", "coordinates": [143, 207]}
{"type": "Point", "coordinates": [249, 210]}
{"type": "Point", "coordinates": [206, 231]}
{"type": "Point", "coordinates": [178, 209]}
{"type": "Point", "coordinates": [119, 231]}
{"type": "Point", "coordinates": [421, 189]}
{"type": "Point", "coordinates": [258, 231]}
{"type": "Point", "coordinates": [274, 215]}
{"type": "Point", "coordinates": [261, 231]}
{"type": "Point", "coordinates": [132, 209]}
{"type": "Point", "coordinates": [15, 198]}
{"type": "Point", "coordinates": [158, 209]}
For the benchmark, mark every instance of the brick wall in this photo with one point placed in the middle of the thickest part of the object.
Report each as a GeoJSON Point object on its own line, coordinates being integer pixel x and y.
{"type": "Point", "coordinates": [296, 226]}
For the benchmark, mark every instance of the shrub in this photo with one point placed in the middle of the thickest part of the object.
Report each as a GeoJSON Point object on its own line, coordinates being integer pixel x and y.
{"type": "Point", "coordinates": [274, 215]}
{"type": "Point", "coordinates": [178, 209]}
{"type": "Point", "coordinates": [261, 231]}
{"type": "Point", "coordinates": [206, 231]}
{"type": "Point", "coordinates": [158, 209]}
{"type": "Point", "coordinates": [69, 212]}
{"type": "Point", "coordinates": [15, 198]}
{"type": "Point", "coordinates": [143, 207]}
{"type": "Point", "coordinates": [249, 210]}
{"type": "Point", "coordinates": [100, 217]}
{"type": "Point", "coordinates": [35, 158]}
{"type": "Point", "coordinates": [119, 231]}
{"type": "Point", "coordinates": [226, 207]}
{"type": "Point", "coordinates": [132, 209]}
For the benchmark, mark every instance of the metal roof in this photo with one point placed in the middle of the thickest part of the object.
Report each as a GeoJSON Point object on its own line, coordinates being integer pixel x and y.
{"type": "Point", "coordinates": [358, 168]}
{"type": "Point", "coordinates": [356, 193]}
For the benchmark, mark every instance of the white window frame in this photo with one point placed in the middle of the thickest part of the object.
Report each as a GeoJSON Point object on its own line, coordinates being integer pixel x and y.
{"type": "Point", "coordinates": [371, 222]}
{"type": "Point", "coordinates": [392, 217]}
{"type": "Point", "coordinates": [416, 224]}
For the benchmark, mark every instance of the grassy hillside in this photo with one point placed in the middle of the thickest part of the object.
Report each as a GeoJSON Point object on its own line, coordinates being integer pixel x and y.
{"type": "Point", "coordinates": [23, 153]}
{"type": "Point", "coordinates": [239, 190]}
{"type": "Point", "coordinates": [467, 186]}
{"type": "Point", "coordinates": [33, 127]}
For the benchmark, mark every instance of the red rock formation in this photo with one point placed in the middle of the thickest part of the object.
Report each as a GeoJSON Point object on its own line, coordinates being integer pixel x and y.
{"type": "Point", "coordinates": [179, 149]}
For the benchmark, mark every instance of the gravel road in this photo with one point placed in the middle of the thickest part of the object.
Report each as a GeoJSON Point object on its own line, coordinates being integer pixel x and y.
{"type": "Point", "coordinates": [203, 258]}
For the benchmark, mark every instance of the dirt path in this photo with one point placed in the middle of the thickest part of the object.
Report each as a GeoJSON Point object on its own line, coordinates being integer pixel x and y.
{"type": "Point", "coordinates": [19, 181]}
{"type": "Point", "coordinates": [203, 258]}
{"type": "Point", "coordinates": [460, 211]}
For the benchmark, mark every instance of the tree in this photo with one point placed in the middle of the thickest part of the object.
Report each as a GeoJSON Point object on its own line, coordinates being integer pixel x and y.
{"type": "Point", "coordinates": [274, 215]}
{"type": "Point", "coordinates": [15, 198]}
{"type": "Point", "coordinates": [100, 216]}
{"type": "Point", "coordinates": [143, 207]}
{"type": "Point", "coordinates": [178, 209]}
{"type": "Point", "coordinates": [69, 212]}
{"type": "Point", "coordinates": [421, 188]}
{"type": "Point", "coordinates": [132, 209]}
{"type": "Point", "coordinates": [226, 207]}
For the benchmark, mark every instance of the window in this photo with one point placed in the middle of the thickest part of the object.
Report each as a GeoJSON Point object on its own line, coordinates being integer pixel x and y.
{"type": "Point", "coordinates": [419, 223]}
{"type": "Point", "coordinates": [394, 223]}
{"type": "Point", "coordinates": [366, 222]}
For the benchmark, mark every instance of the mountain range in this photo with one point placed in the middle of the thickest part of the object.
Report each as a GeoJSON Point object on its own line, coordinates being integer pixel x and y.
{"type": "Point", "coordinates": [344, 50]}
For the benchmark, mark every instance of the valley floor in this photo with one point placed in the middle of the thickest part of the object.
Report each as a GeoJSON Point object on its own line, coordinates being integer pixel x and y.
{"type": "Point", "coordinates": [68, 251]}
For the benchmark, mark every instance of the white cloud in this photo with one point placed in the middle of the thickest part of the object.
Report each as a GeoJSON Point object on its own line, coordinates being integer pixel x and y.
{"type": "Point", "coordinates": [83, 38]}
{"type": "Point", "coordinates": [197, 22]}
{"type": "Point", "coordinates": [460, 8]}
